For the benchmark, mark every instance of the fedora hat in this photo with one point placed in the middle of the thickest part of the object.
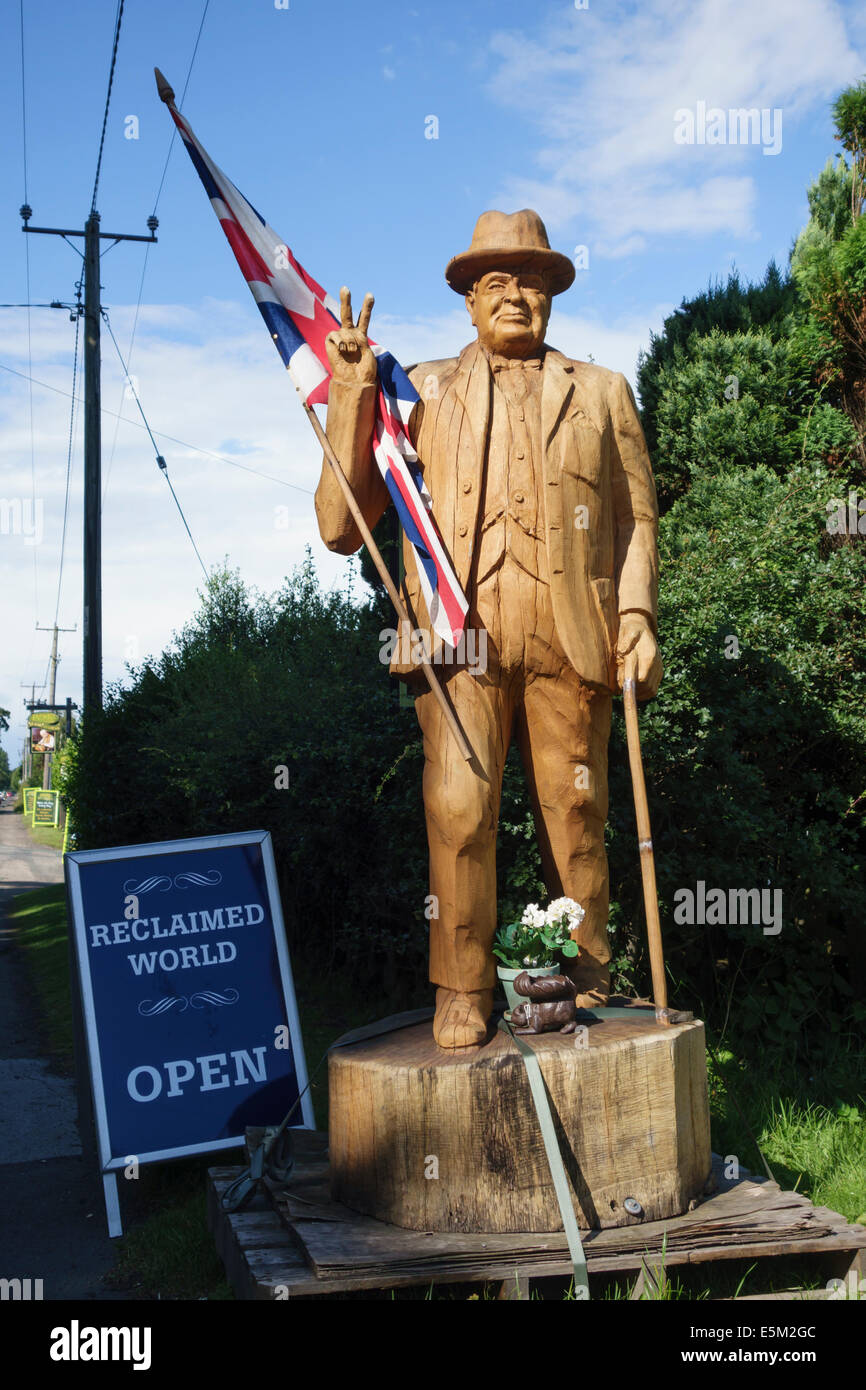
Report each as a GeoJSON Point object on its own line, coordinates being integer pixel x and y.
{"type": "Point", "coordinates": [503, 239]}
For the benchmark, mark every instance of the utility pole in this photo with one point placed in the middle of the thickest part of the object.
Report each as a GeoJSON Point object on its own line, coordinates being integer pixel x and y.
{"type": "Point", "coordinates": [92, 469]}
{"type": "Point", "coordinates": [48, 758]}
{"type": "Point", "coordinates": [92, 618]}
{"type": "Point", "coordinates": [54, 659]}
{"type": "Point", "coordinates": [27, 759]}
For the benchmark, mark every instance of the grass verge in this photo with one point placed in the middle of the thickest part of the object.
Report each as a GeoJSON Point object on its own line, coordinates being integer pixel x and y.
{"type": "Point", "coordinates": [39, 919]}
{"type": "Point", "coordinates": [48, 835]}
{"type": "Point", "coordinates": [810, 1128]}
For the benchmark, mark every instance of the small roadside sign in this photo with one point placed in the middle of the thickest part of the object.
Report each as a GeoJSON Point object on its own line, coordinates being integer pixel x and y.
{"type": "Point", "coordinates": [187, 1005]}
{"type": "Point", "coordinates": [46, 808]}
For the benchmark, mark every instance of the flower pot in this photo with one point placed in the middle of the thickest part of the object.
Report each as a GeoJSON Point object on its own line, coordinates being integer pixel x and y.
{"type": "Point", "coordinates": [507, 978]}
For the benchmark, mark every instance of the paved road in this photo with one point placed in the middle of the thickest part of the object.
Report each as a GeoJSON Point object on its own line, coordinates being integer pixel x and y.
{"type": "Point", "coordinates": [52, 1218]}
{"type": "Point", "coordinates": [24, 865]}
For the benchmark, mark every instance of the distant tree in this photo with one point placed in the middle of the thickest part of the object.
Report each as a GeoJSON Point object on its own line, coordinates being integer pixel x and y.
{"type": "Point", "coordinates": [829, 204]}
{"type": "Point", "coordinates": [388, 537]}
{"type": "Point", "coordinates": [849, 116]}
{"type": "Point", "coordinates": [5, 774]}
{"type": "Point", "coordinates": [4, 719]}
{"type": "Point", "coordinates": [732, 307]}
{"type": "Point", "coordinates": [828, 264]}
{"type": "Point", "coordinates": [722, 405]}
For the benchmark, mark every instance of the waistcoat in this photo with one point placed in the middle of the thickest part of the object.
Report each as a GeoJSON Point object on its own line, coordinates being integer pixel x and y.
{"type": "Point", "coordinates": [511, 513]}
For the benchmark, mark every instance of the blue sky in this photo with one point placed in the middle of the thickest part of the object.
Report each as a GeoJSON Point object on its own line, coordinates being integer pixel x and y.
{"type": "Point", "coordinates": [318, 112]}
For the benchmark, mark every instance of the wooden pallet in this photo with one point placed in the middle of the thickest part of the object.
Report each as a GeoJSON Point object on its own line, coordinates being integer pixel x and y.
{"type": "Point", "coordinates": [296, 1241]}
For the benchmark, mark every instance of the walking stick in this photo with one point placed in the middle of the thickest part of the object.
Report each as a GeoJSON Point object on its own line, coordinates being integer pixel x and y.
{"type": "Point", "coordinates": [664, 1015]}
{"type": "Point", "coordinates": [351, 502]}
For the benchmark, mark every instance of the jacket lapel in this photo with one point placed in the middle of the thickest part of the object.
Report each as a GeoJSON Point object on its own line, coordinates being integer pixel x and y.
{"type": "Point", "coordinates": [556, 388]}
{"type": "Point", "coordinates": [473, 392]}
{"type": "Point", "coordinates": [466, 462]}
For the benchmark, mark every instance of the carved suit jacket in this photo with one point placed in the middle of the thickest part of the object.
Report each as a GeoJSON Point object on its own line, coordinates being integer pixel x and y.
{"type": "Point", "coordinates": [599, 500]}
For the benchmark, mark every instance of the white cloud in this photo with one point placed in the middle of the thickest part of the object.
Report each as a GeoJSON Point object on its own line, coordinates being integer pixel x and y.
{"type": "Point", "coordinates": [602, 86]}
{"type": "Point", "coordinates": [618, 250]}
{"type": "Point", "coordinates": [425, 339]}
{"type": "Point", "coordinates": [558, 206]}
{"type": "Point", "coordinates": [614, 345]}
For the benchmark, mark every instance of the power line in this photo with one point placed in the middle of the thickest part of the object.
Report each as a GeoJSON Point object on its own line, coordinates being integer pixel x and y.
{"type": "Point", "coordinates": [147, 248]}
{"type": "Point", "coordinates": [54, 304]}
{"type": "Point", "coordinates": [172, 439]}
{"type": "Point", "coordinates": [68, 458]}
{"type": "Point", "coordinates": [23, 97]}
{"type": "Point", "coordinates": [163, 466]}
{"type": "Point", "coordinates": [180, 104]}
{"type": "Point", "coordinates": [129, 380]}
{"type": "Point", "coordinates": [120, 415]}
{"type": "Point", "coordinates": [117, 21]}
{"type": "Point", "coordinates": [29, 324]}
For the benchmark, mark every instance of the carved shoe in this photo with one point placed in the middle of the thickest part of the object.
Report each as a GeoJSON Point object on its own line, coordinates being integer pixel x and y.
{"type": "Point", "coordinates": [461, 1017]}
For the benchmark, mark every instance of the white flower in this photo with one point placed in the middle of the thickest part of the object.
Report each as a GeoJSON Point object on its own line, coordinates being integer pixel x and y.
{"type": "Point", "coordinates": [565, 907]}
{"type": "Point", "coordinates": [533, 916]}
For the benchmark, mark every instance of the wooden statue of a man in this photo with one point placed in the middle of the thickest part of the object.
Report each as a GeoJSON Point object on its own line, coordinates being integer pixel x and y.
{"type": "Point", "coordinates": [543, 492]}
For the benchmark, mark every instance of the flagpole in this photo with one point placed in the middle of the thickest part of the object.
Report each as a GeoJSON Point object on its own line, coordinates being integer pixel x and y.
{"type": "Point", "coordinates": [166, 94]}
{"type": "Point", "coordinates": [393, 592]}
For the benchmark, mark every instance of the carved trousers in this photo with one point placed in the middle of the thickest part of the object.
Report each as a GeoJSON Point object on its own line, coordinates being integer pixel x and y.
{"type": "Point", "coordinates": [529, 691]}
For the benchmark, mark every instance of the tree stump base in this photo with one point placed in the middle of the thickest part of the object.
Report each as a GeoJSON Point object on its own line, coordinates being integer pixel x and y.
{"type": "Point", "coordinates": [449, 1141]}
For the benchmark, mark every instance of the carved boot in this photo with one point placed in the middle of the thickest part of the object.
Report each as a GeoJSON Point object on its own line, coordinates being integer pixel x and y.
{"type": "Point", "coordinates": [597, 999]}
{"type": "Point", "coordinates": [593, 985]}
{"type": "Point", "coordinates": [461, 1017]}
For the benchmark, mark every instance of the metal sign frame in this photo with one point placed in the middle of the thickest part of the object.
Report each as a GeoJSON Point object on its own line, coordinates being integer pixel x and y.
{"type": "Point", "coordinates": [75, 862]}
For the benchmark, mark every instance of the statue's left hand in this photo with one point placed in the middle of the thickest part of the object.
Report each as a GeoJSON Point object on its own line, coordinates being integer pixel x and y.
{"type": "Point", "coordinates": [636, 635]}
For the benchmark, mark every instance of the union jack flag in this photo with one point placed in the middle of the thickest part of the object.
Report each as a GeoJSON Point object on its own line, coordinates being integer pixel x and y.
{"type": "Point", "coordinates": [300, 315]}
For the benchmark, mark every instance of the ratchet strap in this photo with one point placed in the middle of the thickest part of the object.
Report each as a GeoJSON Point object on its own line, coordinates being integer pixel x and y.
{"type": "Point", "coordinates": [561, 1185]}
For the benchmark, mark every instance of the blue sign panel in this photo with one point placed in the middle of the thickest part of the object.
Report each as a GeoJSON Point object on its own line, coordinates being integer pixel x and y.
{"type": "Point", "coordinates": [187, 993]}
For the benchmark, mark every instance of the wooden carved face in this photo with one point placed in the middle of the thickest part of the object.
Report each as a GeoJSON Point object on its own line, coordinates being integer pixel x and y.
{"type": "Point", "coordinates": [510, 308]}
